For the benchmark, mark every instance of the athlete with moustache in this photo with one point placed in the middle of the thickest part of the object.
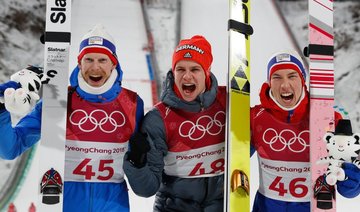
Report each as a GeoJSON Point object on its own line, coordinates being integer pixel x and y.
{"type": "Point", "coordinates": [94, 178]}
{"type": "Point", "coordinates": [280, 135]}
{"type": "Point", "coordinates": [179, 156]}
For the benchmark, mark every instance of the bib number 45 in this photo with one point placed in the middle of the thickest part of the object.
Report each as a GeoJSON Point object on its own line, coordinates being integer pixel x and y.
{"type": "Point", "coordinates": [104, 171]}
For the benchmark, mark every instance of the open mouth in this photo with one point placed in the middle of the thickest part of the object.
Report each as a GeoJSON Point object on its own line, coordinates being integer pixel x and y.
{"type": "Point", "coordinates": [340, 150]}
{"type": "Point", "coordinates": [95, 78]}
{"type": "Point", "coordinates": [188, 88]}
{"type": "Point", "coordinates": [287, 96]}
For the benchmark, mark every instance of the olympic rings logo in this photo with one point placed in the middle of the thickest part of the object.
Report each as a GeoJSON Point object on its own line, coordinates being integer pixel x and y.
{"type": "Point", "coordinates": [204, 124]}
{"type": "Point", "coordinates": [88, 123]}
{"type": "Point", "coordinates": [279, 142]}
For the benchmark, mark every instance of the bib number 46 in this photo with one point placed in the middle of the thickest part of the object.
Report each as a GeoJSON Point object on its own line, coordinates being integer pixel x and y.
{"type": "Point", "coordinates": [296, 187]}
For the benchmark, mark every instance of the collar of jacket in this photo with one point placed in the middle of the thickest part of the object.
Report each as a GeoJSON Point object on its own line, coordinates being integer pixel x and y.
{"type": "Point", "coordinates": [292, 116]}
{"type": "Point", "coordinates": [201, 102]}
{"type": "Point", "coordinates": [107, 96]}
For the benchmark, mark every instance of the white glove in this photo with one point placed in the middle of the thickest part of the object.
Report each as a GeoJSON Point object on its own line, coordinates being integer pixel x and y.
{"type": "Point", "coordinates": [19, 102]}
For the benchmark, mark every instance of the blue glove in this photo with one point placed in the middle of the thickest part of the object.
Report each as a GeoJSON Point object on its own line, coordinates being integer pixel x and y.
{"type": "Point", "coordinates": [350, 187]}
{"type": "Point", "coordinates": [10, 84]}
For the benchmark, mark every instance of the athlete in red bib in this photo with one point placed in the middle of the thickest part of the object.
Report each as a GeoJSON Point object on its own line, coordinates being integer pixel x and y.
{"type": "Point", "coordinates": [180, 156]}
{"type": "Point", "coordinates": [101, 118]}
{"type": "Point", "coordinates": [280, 135]}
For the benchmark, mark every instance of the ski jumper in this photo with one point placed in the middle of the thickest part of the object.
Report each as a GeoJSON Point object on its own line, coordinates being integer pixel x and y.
{"type": "Point", "coordinates": [98, 130]}
{"type": "Point", "coordinates": [185, 166]}
{"type": "Point", "coordinates": [281, 139]}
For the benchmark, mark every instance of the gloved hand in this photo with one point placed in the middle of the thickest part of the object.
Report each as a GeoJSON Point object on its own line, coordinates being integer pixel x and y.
{"type": "Point", "coordinates": [139, 146]}
{"type": "Point", "coordinates": [20, 101]}
{"type": "Point", "coordinates": [3, 87]}
{"type": "Point", "coordinates": [10, 84]}
{"type": "Point", "coordinates": [20, 94]}
{"type": "Point", "coordinates": [350, 187]}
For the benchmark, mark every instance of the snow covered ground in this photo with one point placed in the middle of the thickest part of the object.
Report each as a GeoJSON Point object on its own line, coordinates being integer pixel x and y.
{"type": "Point", "coordinates": [20, 46]}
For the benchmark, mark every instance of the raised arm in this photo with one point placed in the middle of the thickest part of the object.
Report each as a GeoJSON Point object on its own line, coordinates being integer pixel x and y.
{"type": "Point", "coordinates": [145, 174]}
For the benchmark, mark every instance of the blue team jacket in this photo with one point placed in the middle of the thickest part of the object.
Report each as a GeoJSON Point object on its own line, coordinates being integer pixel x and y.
{"type": "Point", "coordinates": [78, 196]}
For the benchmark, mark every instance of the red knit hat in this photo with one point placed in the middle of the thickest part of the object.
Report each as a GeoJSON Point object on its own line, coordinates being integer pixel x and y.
{"type": "Point", "coordinates": [197, 49]}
